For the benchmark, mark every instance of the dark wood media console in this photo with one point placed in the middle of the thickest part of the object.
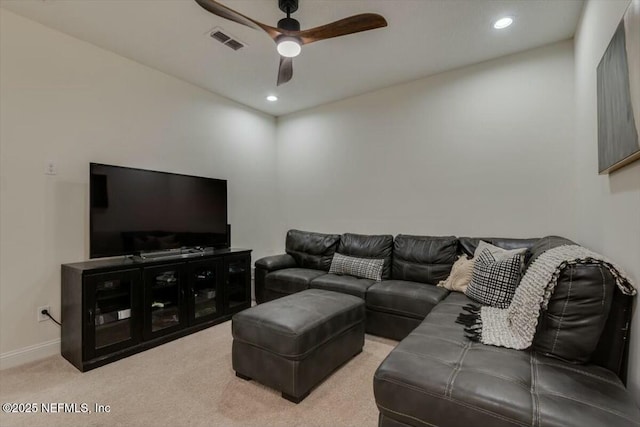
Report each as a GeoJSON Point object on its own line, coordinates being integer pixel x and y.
{"type": "Point", "coordinates": [114, 308]}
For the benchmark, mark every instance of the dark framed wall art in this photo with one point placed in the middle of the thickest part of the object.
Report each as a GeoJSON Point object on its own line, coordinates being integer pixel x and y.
{"type": "Point", "coordinates": [618, 77]}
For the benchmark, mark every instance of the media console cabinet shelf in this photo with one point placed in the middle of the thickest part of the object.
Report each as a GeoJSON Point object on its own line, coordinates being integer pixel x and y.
{"type": "Point", "coordinates": [113, 308]}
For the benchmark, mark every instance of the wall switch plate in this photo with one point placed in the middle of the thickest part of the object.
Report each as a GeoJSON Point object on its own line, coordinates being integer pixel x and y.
{"type": "Point", "coordinates": [43, 317]}
{"type": "Point", "coordinates": [50, 168]}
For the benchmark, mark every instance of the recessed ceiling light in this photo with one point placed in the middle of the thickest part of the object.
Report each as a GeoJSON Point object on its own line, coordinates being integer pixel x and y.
{"type": "Point", "coordinates": [503, 23]}
{"type": "Point", "coordinates": [272, 98]}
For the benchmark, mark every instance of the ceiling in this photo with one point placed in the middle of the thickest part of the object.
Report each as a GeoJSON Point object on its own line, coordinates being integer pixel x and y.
{"type": "Point", "coordinates": [424, 37]}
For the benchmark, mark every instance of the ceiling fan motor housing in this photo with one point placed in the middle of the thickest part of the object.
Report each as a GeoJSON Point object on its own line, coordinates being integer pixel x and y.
{"type": "Point", "coordinates": [288, 6]}
{"type": "Point", "coordinates": [289, 24]}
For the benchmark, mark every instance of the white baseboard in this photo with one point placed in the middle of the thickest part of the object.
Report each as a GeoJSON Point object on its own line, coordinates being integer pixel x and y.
{"type": "Point", "coordinates": [28, 354]}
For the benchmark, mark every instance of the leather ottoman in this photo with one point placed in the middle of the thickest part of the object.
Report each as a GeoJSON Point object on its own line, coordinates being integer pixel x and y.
{"type": "Point", "coordinates": [291, 344]}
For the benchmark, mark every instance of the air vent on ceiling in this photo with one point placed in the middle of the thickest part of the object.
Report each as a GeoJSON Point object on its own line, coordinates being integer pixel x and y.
{"type": "Point", "coordinates": [223, 37]}
{"type": "Point", "coordinates": [220, 36]}
{"type": "Point", "coordinates": [234, 44]}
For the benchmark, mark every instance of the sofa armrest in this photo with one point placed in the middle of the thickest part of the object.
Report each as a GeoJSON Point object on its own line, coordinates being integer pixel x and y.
{"type": "Point", "coordinates": [266, 265]}
{"type": "Point", "coordinates": [276, 262]}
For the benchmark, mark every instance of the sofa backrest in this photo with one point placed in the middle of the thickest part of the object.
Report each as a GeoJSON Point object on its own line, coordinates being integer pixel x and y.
{"type": "Point", "coordinates": [587, 317]}
{"type": "Point", "coordinates": [423, 259]}
{"type": "Point", "coordinates": [468, 245]}
{"type": "Point", "coordinates": [311, 250]}
{"type": "Point", "coordinates": [368, 246]}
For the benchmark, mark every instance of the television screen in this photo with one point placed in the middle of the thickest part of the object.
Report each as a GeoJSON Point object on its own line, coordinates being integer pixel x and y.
{"type": "Point", "coordinates": [136, 210]}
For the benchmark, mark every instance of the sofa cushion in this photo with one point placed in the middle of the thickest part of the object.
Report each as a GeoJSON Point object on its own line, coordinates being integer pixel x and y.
{"type": "Point", "coordinates": [364, 268]}
{"type": "Point", "coordinates": [409, 299]}
{"type": "Point", "coordinates": [494, 281]}
{"type": "Point", "coordinates": [364, 246]}
{"type": "Point", "coordinates": [439, 377]}
{"type": "Point", "coordinates": [291, 280]}
{"type": "Point", "coordinates": [311, 250]}
{"type": "Point", "coordinates": [343, 284]}
{"type": "Point", "coordinates": [423, 259]}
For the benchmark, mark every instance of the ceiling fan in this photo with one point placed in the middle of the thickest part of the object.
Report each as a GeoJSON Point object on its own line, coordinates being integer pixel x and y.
{"type": "Point", "coordinates": [287, 35]}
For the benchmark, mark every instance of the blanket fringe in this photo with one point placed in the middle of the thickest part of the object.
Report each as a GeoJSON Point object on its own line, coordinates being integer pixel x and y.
{"type": "Point", "coordinates": [472, 322]}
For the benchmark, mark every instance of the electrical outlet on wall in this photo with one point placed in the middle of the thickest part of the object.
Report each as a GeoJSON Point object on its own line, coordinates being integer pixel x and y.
{"type": "Point", "coordinates": [43, 317]}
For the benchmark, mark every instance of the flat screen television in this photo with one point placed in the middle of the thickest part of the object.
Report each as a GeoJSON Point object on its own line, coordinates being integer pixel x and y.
{"type": "Point", "coordinates": [135, 211]}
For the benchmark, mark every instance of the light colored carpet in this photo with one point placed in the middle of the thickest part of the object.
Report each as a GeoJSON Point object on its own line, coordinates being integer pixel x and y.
{"type": "Point", "coordinates": [190, 382]}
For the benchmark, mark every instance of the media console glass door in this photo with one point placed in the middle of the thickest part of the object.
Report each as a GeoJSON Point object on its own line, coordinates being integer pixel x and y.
{"type": "Point", "coordinates": [237, 283]}
{"type": "Point", "coordinates": [205, 291]}
{"type": "Point", "coordinates": [165, 301]}
{"type": "Point", "coordinates": [112, 311]}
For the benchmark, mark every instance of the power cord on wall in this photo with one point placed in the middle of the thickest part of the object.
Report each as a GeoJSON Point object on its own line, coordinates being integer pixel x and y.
{"type": "Point", "coordinates": [45, 312]}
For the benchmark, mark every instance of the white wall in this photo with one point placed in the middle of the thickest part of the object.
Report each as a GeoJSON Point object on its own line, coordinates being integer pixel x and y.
{"type": "Point", "coordinates": [608, 206]}
{"type": "Point", "coordinates": [68, 101]}
{"type": "Point", "coordinates": [482, 150]}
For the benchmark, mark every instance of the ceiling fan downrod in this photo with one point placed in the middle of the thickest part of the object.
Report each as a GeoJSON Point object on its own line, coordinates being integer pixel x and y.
{"type": "Point", "coordinates": [288, 6]}
{"type": "Point", "coordinates": [288, 23]}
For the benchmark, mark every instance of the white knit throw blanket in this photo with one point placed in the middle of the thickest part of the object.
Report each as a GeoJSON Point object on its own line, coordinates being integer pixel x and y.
{"type": "Point", "coordinates": [515, 326]}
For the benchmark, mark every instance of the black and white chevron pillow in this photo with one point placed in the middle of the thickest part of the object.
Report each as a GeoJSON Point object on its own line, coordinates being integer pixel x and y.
{"type": "Point", "coordinates": [365, 268]}
{"type": "Point", "coordinates": [494, 282]}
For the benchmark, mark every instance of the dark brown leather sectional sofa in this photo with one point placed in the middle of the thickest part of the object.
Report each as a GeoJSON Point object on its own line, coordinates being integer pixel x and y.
{"type": "Point", "coordinates": [573, 375]}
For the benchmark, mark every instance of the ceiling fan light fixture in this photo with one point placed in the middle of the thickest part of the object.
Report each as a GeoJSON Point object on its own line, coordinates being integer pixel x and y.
{"type": "Point", "coordinates": [503, 23]}
{"type": "Point", "coordinates": [289, 47]}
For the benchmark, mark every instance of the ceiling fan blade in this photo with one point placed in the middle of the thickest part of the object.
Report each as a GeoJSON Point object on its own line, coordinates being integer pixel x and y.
{"type": "Point", "coordinates": [350, 25]}
{"type": "Point", "coordinates": [230, 14]}
{"type": "Point", "coordinates": [285, 72]}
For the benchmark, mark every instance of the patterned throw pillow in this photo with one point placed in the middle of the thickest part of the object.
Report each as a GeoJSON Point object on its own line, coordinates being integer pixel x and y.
{"type": "Point", "coordinates": [359, 267]}
{"type": "Point", "coordinates": [494, 282]}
